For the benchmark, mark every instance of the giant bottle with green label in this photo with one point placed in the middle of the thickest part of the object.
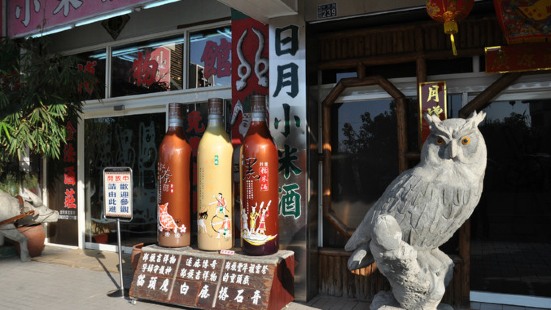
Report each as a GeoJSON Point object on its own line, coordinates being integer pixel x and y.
{"type": "Point", "coordinates": [214, 183]}
{"type": "Point", "coordinates": [259, 185]}
{"type": "Point", "coordinates": [173, 192]}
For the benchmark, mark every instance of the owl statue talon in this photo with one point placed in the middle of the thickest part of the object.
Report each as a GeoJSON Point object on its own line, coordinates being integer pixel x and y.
{"type": "Point", "coordinates": [421, 210]}
{"type": "Point", "coordinates": [360, 258]}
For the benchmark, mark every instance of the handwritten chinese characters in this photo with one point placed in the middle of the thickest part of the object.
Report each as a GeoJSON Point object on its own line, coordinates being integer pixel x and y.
{"type": "Point", "coordinates": [118, 192]}
{"type": "Point", "coordinates": [204, 280]}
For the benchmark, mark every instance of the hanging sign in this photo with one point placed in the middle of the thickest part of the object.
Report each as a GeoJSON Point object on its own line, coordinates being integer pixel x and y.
{"type": "Point", "coordinates": [524, 21]}
{"type": "Point", "coordinates": [432, 100]}
{"type": "Point", "coordinates": [117, 193]}
{"type": "Point", "coordinates": [524, 57]}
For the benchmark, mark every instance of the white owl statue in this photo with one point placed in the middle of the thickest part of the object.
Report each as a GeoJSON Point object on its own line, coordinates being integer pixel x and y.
{"type": "Point", "coordinates": [421, 210]}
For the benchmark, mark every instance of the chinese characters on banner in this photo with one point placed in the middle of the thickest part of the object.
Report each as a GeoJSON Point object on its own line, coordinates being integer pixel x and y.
{"type": "Point", "coordinates": [526, 57]}
{"type": "Point", "coordinates": [69, 152]}
{"type": "Point", "coordinates": [117, 187]}
{"type": "Point", "coordinates": [26, 17]}
{"type": "Point", "coordinates": [432, 100]}
{"type": "Point", "coordinates": [288, 117]}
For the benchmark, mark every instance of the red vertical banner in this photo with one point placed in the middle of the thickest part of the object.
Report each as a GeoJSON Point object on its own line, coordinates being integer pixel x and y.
{"type": "Point", "coordinates": [432, 100]}
{"type": "Point", "coordinates": [69, 175]}
{"type": "Point", "coordinates": [249, 69]}
{"type": "Point", "coordinates": [250, 53]}
{"type": "Point", "coordinates": [63, 190]}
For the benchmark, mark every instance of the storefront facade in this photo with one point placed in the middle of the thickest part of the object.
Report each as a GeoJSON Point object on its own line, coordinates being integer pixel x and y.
{"type": "Point", "coordinates": [343, 87]}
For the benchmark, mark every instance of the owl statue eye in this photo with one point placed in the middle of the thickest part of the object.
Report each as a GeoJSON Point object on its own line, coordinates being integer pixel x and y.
{"type": "Point", "coordinates": [465, 140]}
{"type": "Point", "coordinates": [439, 141]}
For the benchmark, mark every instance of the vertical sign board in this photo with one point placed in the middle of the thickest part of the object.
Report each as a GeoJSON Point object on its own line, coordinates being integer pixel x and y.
{"type": "Point", "coordinates": [64, 197]}
{"type": "Point", "coordinates": [250, 76]}
{"type": "Point", "coordinates": [288, 127]}
{"type": "Point", "coordinates": [117, 187]}
{"type": "Point", "coordinates": [432, 100]}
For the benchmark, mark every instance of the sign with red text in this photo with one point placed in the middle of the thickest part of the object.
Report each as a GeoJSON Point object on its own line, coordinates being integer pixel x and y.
{"type": "Point", "coordinates": [27, 17]}
{"type": "Point", "coordinates": [117, 193]}
{"type": "Point", "coordinates": [515, 58]}
{"type": "Point", "coordinates": [432, 100]}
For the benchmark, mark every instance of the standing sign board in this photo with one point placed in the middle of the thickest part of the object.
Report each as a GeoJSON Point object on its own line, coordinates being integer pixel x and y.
{"type": "Point", "coordinates": [117, 193]}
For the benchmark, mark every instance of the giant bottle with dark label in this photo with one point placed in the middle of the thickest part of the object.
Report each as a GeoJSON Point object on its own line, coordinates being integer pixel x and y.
{"type": "Point", "coordinates": [173, 192]}
{"type": "Point", "coordinates": [214, 188]}
{"type": "Point", "coordinates": [259, 185]}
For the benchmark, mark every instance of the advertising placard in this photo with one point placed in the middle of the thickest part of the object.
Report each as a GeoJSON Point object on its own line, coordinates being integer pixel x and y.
{"type": "Point", "coordinates": [117, 193]}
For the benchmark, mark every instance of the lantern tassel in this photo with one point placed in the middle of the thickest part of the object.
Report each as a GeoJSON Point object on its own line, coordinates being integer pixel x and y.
{"type": "Point", "coordinates": [453, 44]}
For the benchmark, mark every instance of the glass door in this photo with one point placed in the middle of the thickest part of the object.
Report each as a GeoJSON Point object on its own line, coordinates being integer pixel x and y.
{"type": "Point", "coordinates": [125, 141]}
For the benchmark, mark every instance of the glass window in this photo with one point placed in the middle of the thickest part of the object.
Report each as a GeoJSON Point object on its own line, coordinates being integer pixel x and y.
{"type": "Point", "coordinates": [94, 63]}
{"type": "Point", "coordinates": [510, 226]}
{"type": "Point", "coordinates": [364, 159]}
{"type": "Point", "coordinates": [129, 141]}
{"type": "Point", "coordinates": [210, 58]}
{"type": "Point", "coordinates": [148, 67]}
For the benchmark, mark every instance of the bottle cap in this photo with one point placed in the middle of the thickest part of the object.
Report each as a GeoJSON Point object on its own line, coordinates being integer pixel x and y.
{"type": "Point", "coordinates": [215, 106]}
{"type": "Point", "coordinates": [174, 110]}
{"type": "Point", "coordinates": [258, 104]}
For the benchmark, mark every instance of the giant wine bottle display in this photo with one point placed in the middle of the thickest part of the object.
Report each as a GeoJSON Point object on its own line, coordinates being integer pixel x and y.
{"type": "Point", "coordinates": [214, 190]}
{"type": "Point", "coordinates": [259, 185]}
{"type": "Point", "coordinates": [173, 192]}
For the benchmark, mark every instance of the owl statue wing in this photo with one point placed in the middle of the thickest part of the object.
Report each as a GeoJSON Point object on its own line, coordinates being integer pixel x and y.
{"type": "Point", "coordinates": [405, 193]}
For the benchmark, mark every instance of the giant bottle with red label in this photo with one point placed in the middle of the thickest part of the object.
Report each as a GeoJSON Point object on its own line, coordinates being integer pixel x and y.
{"type": "Point", "coordinates": [259, 185]}
{"type": "Point", "coordinates": [214, 178]}
{"type": "Point", "coordinates": [173, 192]}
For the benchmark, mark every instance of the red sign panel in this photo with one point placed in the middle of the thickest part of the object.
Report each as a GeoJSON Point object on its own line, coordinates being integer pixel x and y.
{"type": "Point", "coordinates": [432, 100]}
{"type": "Point", "coordinates": [525, 57]}
{"type": "Point", "coordinates": [27, 17]}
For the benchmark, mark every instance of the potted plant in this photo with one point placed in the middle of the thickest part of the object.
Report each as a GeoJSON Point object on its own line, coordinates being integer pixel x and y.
{"type": "Point", "coordinates": [39, 92]}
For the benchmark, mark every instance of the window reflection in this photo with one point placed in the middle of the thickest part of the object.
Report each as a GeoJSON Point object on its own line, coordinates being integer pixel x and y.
{"type": "Point", "coordinates": [364, 159]}
{"type": "Point", "coordinates": [94, 63]}
{"type": "Point", "coordinates": [152, 66]}
{"type": "Point", "coordinates": [130, 141]}
{"type": "Point", "coordinates": [510, 226]}
{"type": "Point", "coordinates": [210, 58]}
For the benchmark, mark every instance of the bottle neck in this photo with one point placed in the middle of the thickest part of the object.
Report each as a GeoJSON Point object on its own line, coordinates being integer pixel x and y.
{"type": "Point", "coordinates": [215, 120]}
{"type": "Point", "coordinates": [258, 117]}
{"type": "Point", "coordinates": [176, 122]}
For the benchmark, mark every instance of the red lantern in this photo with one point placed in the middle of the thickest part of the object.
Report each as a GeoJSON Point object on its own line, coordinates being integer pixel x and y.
{"type": "Point", "coordinates": [449, 12]}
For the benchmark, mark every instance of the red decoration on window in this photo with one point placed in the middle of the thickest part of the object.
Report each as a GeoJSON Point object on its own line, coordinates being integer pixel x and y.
{"type": "Point", "coordinates": [449, 12]}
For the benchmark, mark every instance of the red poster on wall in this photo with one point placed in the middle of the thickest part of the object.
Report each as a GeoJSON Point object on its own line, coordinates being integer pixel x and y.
{"type": "Point", "coordinates": [250, 69]}
{"type": "Point", "coordinates": [63, 190]}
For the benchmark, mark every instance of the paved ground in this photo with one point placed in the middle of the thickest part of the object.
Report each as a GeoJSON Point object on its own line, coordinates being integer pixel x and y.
{"type": "Point", "coordinates": [63, 279]}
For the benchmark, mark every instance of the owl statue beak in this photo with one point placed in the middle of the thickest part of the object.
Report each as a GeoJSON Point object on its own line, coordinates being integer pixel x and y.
{"type": "Point", "coordinates": [452, 150]}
